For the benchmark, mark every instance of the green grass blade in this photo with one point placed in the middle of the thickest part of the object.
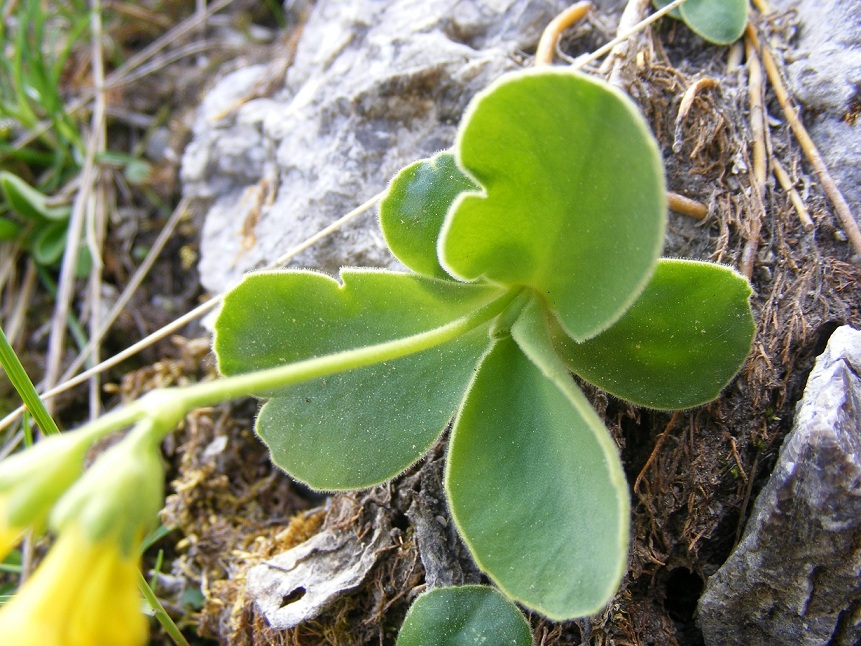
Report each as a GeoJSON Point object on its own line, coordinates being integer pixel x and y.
{"type": "Point", "coordinates": [160, 613]}
{"type": "Point", "coordinates": [26, 390]}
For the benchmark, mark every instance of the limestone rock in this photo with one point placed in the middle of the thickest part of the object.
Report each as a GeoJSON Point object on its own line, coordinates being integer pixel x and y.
{"type": "Point", "coordinates": [375, 85]}
{"type": "Point", "coordinates": [445, 558]}
{"type": "Point", "coordinates": [825, 75]}
{"type": "Point", "coordinates": [794, 577]}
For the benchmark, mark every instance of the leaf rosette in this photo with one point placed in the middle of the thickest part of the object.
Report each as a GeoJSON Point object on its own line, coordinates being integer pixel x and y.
{"type": "Point", "coordinates": [535, 244]}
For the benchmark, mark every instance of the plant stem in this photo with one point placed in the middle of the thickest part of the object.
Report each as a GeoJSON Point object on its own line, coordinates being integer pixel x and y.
{"type": "Point", "coordinates": [165, 408]}
{"type": "Point", "coordinates": [272, 379]}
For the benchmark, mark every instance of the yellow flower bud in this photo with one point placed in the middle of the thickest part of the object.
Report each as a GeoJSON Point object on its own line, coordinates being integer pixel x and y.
{"type": "Point", "coordinates": [83, 594]}
{"type": "Point", "coordinates": [10, 534]}
{"type": "Point", "coordinates": [31, 482]}
{"type": "Point", "coordinates": [120, 495]}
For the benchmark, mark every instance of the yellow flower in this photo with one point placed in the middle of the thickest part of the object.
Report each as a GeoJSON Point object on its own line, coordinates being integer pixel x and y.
{"type": "Point", "coordinates": [83, 594]}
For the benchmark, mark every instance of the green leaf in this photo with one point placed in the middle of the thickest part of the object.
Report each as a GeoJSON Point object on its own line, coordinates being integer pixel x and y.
{"type": "Point", "coordinates": [574, 202]}
{"type": "Point", "coordinates": [678, 345]}
{"type": "Point", "coordinates": [9, 230]}
{"type": "Point", "coordinates": [362, 427]}
{"type": "Point", "coordinates": [49, 242]}
{"type": "Point", "coordinates": [718, 21]}
{"type": "Point", "coordinates": [84, 264]}
{"type": "Point", "coordinates": [412, 212]}
{"type": "Point", "coordinates": [27, 202]}
{"type": "Point", "coordinates": [660, 4]}
{"type": "Point", "coordinates": [277, 317]}
{"type": "Point", "coordinates": [464, 616]}
{"type": "Point", "coordinates": [535, 484]}
{"type": "Point", "coordinates": [136, 170]}
{"type": "Point", "coordinates": [22, 383]}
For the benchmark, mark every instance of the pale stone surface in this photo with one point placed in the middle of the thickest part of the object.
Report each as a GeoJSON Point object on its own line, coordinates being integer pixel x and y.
{"type": "Point", "coordinates": [825, 76]}
{"type": "Point", "coordinates": [794, 577]}
{"type": "Point", "coordinates": [375, 85]}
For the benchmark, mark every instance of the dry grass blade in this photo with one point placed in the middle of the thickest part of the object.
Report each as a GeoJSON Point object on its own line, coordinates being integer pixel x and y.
{"type": "Point", "coordinates": [631, 23]}
{"type": "Point", "coordinates": [165, 60]}
{"type": "Point", "coordinates": [96, 221]}
{"type": "Point", "coordinates": [756, 213]}
{"type": "Point", "coordinates": [786, 184]}
{"type": "Point", "coordinates": [758, 154]}
{"type": "Point", "coordinates": [635, 11]}
{"type": "Point", "coordinates": [22, 299]}
{"type": "Point", "coordinates": [83, 209]}
{"type": "Point", "coordinates": [15, 297]}
{"type": "Point", "coordinates": [853, 233]}
{"type": "Point", "coordinates": [134, 283]}
{"type": "Point", "coordinates": [757, 113]}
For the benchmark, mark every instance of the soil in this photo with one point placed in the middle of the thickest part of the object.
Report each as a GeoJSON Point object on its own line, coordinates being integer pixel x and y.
{"type": "Point", "coordinates": [693, 474]}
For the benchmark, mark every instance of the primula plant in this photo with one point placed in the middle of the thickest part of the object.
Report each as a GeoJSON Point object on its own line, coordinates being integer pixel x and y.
{"type": "Point", "coordinates": [535, 250]}
{"type": "Point", "coordinates": [533, 253]}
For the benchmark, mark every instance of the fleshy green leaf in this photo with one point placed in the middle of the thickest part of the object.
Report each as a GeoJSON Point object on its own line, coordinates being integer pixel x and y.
{"type": "Point", "coordinates": [49, 242]}
{"type": "Point", "coordinates": [9, 230]}
{"type": "Point", "coordinates": [362, 427]}
{"type": "Point", "coordinates": [412, 212]}
{"type": "Point", "coordinates": [718, 21]}
{"type": "Point", "coordinates": [535, 484]}
{"type": "Point", "coordinates": [574, 202]}
{"type": "Point", "coordinates": [660, 4]}
{"type": "Point", "coordinates": [678, 345]}
{"type": "Point", "coordinates": [464, 616]}
{"type": "Point", "coordinates": [27, 202]}
{"type": "Point", "coordinates": [278, 317]}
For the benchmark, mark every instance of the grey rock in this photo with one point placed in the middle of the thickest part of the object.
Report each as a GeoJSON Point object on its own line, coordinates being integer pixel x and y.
{"type": "Point", "coordinates": [794, 577]}
{"type": "Point", "coordinates": [825, 75]}
{"type": "Point", "coordinates": [219, 159]}
{"type": "Point", "coordinates": [445, 558]}
{"type": "Point", "coordinates": [826, 67]}
{"type": "Point", "coordinates": [375, 85]}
